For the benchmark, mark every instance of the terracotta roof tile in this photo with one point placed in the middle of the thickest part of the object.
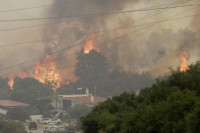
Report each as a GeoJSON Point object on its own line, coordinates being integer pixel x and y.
{"type": "Point", "coordinates": [10, 103]}
{"type": "Point", "coordinates": [86, 99]}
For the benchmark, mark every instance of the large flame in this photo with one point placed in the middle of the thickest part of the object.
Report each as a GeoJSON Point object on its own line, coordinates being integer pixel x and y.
{"type": "Point", "coordinates": [89, 45]}
{"type": "Point", "coordinates": [184, 61]}
{"type": "Point", "coordinates": [46, 73]}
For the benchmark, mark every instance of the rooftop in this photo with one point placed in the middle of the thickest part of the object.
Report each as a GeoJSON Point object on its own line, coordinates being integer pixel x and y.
{"type": "Point", "coordinates": [87, 98]}
{"type": "Point", "coordinates": [10, 103]}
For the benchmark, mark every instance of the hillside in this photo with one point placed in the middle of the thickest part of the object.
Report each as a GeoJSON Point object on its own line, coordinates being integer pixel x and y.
{"type": "Point", "coordinates": [171, 105]}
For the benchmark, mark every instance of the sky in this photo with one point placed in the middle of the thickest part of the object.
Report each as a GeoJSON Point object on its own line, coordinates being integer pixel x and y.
{"type": "Point", "coordinates": [151, 49]}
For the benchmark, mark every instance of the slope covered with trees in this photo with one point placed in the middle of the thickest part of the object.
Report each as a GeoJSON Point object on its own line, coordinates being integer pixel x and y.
{"type": "Point", "coordinates": [171, 105]}
{"type": "Point", "coordinates": [95, 74]}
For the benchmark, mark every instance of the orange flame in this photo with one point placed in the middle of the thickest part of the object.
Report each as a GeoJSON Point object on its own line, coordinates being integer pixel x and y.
{"type": "Point", "coordinates": [184, 61]}
{"type": "Point", "coordinates": [37, 67]}
{"type": "Point", "coordinates": [11, 83]}
{"type": "Point", "coordinates": [46, 73]}
{"type": "Point", "coordinates": [89, 45]}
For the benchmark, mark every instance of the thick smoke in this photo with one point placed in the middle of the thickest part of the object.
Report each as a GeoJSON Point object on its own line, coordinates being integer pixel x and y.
{"type": "Point", "coordinates": [76, 30]}
{"type": "Point", "coordinates": [154, 51]}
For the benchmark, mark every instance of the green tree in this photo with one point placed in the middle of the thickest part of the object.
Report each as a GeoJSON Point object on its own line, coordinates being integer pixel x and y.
{"type": "Point", "coordinates": [5, 92]}
{"type": "Point", "coordinates": [91, 68]}
{"type": "Point", "coordinates": [18, 113]}
{"type": "Point", "coordinates": [171, 105]}
{"type": "Point", "coordinates": [28, 90]}
{"type": "Point", "coordinates": [78, 111]}
{"type": "Point", "coordinates": [44, 106]}
{"type": "Point", "coordinates": [11, 127]}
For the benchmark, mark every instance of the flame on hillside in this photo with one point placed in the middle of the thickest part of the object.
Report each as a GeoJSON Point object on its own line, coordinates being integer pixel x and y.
{"type": "Point", "coordinates": [11, 83]}
{"type": "Point", "coordinates": [184, 61]}
{"type": "Point", "coordinates": [89, 45]}
{"type": "Point", "coordinates": [45, 72]}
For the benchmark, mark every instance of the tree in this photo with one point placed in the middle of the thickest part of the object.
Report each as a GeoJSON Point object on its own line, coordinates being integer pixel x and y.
{"type": "Point", "coordinates": [78, 111]}
{"type": "Point", "coordinates": [171, 105]}
{"type": "Point", "coordinates": [11, 127]}
{"type": "Point", "coordinates": [119, 82]}
{"type": "Point", "coordinates": [19, 113]}
{"type": "Point", "coordinates": [91, 68]}
{"type": "Point", "coordinates": [28, 90]}
{"type": "Point", "coordinates": [44, 106]}
{"type": "Point", "coordinates": [5, 92]}
{"type": "Point", "coordinates": [93, 73]}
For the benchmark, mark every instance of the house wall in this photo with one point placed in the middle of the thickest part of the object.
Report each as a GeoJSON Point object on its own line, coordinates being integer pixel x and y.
{"type": "Point", "coordinates": [57, 103]}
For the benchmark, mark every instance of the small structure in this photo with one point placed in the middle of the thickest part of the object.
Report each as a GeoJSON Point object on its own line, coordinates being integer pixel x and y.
{"type": "Point", "coordinates": [87, 99]}
{"type": "Point", "coordinates": [62, 102]}
{"type": "Point", "coordinates": [8, 104]}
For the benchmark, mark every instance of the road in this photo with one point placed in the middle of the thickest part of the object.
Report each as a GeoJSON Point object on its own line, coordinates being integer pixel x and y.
{"type": "Point", "coordinates": [39, 130]}
{"type": "Point", "coordinates": [35, 131]}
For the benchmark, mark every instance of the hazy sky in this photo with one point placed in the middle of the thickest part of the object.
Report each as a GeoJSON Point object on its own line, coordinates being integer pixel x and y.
{"type": "Point", "coordinates": [155, 49]}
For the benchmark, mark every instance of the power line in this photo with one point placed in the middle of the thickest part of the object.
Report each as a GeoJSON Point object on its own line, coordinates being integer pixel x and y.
{"type": "Point", "coordinates": [150, 15]}
{"type": "Point", "coordinates": [36, 41]}
{"type": "Point", "coordinates": [31, 26]}
{"type": "Point", "coordinates": [103, 31]}
{"type": "Point", "coordinates": [29, 8]}
{"type": "Point", "coordinates": [121, 36]}
{"type": "Point", "coordinates": [35, 7]}
{"type": "Point", "coordinates": [46, 24]}
{"type": "Point", "coordinates": [82, 42]}
{"type": "Point", "coordinates": [102, 14]}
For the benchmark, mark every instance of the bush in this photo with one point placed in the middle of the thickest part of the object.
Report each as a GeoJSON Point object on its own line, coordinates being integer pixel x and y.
{"type": "Point", "coordinates": [171, 105]}
{"type": "Point", "coordinates": [18, 113]}
{"type": "Point", "coordinates": [11, 127]}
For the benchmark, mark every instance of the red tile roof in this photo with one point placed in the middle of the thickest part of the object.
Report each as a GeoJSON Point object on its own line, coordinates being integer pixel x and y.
{"type": "Point", "coordinates": [10, 103]}
{"type": "Point", "coordinates": [85, 99]}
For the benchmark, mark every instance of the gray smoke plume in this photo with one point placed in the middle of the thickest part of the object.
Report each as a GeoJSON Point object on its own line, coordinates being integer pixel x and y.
{"type": "Point", "coordinates": [153, 51]}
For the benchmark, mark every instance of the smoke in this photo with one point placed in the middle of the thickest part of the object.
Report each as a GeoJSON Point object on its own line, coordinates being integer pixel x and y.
{"type": "Point", "coordinates": [77, 30]}
{"type": "Point", "coordinates": [195, 22]}
{"type": "Point", "coordinates": [152, 51]}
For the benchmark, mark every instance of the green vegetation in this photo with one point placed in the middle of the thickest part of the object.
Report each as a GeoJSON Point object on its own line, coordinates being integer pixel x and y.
{"type": "Point", "coordinates": [78, 111]}
{"type": "Point", "coordinates": [18, 113]}
{"type": "Point", "coordinates": [171, 105]}
{"type": "Point", "coordinates": [94, 73]}
{"type": "Point", "coordinates": [11, 127]}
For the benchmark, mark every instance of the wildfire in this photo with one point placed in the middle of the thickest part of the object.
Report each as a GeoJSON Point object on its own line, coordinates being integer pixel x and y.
{"type": "Point", "coordinates": [184, 61]}
{"type": "Point", "coordinates": [89, 45]}
{"type": "Point", "coordinates": [11, 83]}
{"type": "Point", "coordinates": [46, 73]}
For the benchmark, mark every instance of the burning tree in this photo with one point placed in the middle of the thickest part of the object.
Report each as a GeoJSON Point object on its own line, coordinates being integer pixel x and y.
{"type": "Point", "coordinates": [89, 45]}
{"type": "Point", "coordinates": [91, 68]}
{"type": "Point", "coordinates": [46, 73]}
{"type": "Point", "coordinates": [184, 61]}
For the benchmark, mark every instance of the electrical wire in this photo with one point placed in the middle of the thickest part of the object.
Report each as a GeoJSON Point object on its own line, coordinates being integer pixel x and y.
{"type": "Point", "coordinates": [103, 14]}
